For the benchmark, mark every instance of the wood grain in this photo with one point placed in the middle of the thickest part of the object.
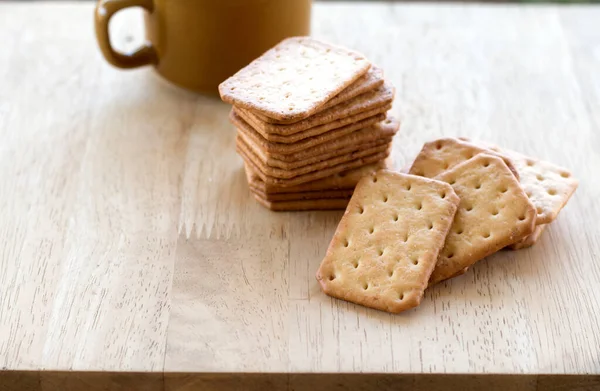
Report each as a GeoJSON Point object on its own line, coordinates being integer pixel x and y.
{"type": "Point", "coordinates": [130, 245]}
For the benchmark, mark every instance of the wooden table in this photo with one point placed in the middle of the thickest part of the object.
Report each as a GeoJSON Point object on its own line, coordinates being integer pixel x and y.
{"type": "Point", "coordinates": [133, 257]}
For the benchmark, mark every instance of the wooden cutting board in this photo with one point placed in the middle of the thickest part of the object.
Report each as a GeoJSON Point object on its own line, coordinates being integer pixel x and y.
{"type": "Point", "coordinates": [130, 246]}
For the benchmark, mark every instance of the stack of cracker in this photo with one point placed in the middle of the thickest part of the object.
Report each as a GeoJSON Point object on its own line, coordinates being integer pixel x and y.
{"type": "Point", "coordinates": [461, 202]}
{"type": "Point", "coordinates": [311, 120]}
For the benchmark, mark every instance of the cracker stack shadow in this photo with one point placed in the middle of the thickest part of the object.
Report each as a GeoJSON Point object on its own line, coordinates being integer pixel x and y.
{"type": "Point", "coordinates": [311, 120]}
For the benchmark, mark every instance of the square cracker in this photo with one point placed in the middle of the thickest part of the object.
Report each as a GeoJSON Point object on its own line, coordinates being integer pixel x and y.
{"type": "Point", "coordinates": [364, 130]}
{"type": "Point", "coordinates": [371, 80]}
{"type": "Point", "coordinates": [549, 187]}
{"type": "Point", "coordinates": [292, 170]}
{"type": "Point", "coordinates": [387, 243]}
{"type": "Point", "coordinates": [342, 180]}
{"type": "Point", "coordinates": [294, 78]}
{"type": "Point", "coordinates": [314, 175]}
{"type": "Point", "coordinates": [494, 212]}
{"type": "Point", "coordinates": [355, 109]}
{"type": "Point", "coordinates": [303, 205]}
{"type": "Point", "coordinates": [440, 155]}
{"type": "Point", "coordinates": [529, 240]}
{"type": "Point", "coordinates": [266, 160]}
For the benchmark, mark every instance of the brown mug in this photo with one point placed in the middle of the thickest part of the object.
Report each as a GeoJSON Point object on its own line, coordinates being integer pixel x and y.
{"type": "Point", "coordinates": [197, 44]}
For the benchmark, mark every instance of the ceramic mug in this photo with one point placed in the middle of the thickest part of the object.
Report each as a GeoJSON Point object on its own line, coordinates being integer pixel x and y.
{"type": "Point", "coordinates": [197, 44]}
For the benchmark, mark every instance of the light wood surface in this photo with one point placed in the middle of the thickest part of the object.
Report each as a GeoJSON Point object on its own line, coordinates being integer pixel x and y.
{"type": "Point", "coordinates": [130, 246]}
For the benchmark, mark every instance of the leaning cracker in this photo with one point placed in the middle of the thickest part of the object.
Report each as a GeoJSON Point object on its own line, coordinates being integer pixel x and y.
{"type": "Point", "coordinates": [292, 172]}
{"type": "Point", "coordinates": [345, 135]}
{"type": "Point", "coordinates": [440, 155]}
{"type": "Point", "coordinates": [345, 113]}
{"type": "Point", "coordinates": [388, 240]}
{"type": "Point", "coordinates": [529, 240]}
{"type": "Point", "coordinates": [494, 212]}
{"type": "Point", "coordinates": [371, 80]}
{"type": "Point", "coordinates": [294, 78]}
{"type": "Point", "coordinates": [548, 186]}
{"type": "Point", "coordinates": [342, 180]}
{"type": "Point", "coordinates": [298, 205]}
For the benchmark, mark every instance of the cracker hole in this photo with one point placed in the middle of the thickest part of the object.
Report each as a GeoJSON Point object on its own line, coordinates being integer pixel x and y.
{"type": "Point", "coordinates": [528, 193]}
{"type": "Point", "coordinates": [529, 162]}
{"type": "Point", "coordinates": [486, 163]}
{"type": "Point", "coordinates": [486, 235]}
{"type": "Point", "coordinates": [360, 210]}
{"type": "Point", "coordinates": [408, 187]}
{"type": "Point", "coordinates": [405, 237]}
{"type": "Point", "coordinates": [395, 217]}
{"type": "Point", "coordinates": [290, 108]}
{"type": "Point", "coordinates": [391, 273]}
{"type": "Point", "coordinates": [371, 230]}
{"type": "Point", "coordinates": [495, 212]}
{"type": "Point", "coordinates": [355, 264]}
{"type": "Point", "coordinates": [539, 177]}
{"type": "Point", "coordinates": [430, 225]}
{"type": "Point", "coordinates": [469, 208]}
{"type": "Point", "coordinates": [438, 146]}
{"type": "Point", "coordinates": [522, 217]}
{"type": "Point", "coordinates": [380, 252]}
{"type": "Point", "coordinates": [565, 174]}
{"type": "Point", "coordinates": [450, 255]}
{"type": "Point", "coordinates": [452, 181]}
{"type": "Point", "coordinates": [420, 206]}
{"type": "Point", "coordinates": [459, 231]}
{"type": "Point", "coordinates": [346, 243]}
{"type": "Point", "coordinates": [288, 94]}
{"type": "Point", "coordinates": [401, 296]}
{"type": "Point", "coordinates": [552, 192]}
{"type": "Point", "coordinates": [232, 89]}
{"type": "Point", "coordinates": [539, 210]}
{"type": "Point", "coordinates": [385, 198]}
{"type": "Point", "coordinates": [327, 50]}
{"type": "Point", "coordinates": [365, 285]}
{"type": "Point", "coordinates": [388, 121]}
{"type": "Point", "coordinates": [443, 195]}
{"type": "Point", "coordinates": [331, 277]}
{"type": "Point", "coordinates": [503, 190]}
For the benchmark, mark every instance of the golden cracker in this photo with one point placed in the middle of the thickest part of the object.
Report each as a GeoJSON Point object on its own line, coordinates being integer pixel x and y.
{"type": "Point", "coordinates": [387, 243]}
{"type": "Point", "coordinates": [494, 212]}
{"type": "Point", "coordinates": [440, 155]}
{"type": "Point", "coordinates": [347, 135]}
{"type": "Point", "coordinates": [294, 78]}
{"type": "Point", "coordinates": [294, 169]}
{"type": "Point", "coordinates": [371, 80]}
{"type": "Point", "coordinates": [353, 110]}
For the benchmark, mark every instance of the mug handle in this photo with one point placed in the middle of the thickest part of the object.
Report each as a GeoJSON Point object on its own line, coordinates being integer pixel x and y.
{"type": "Point", "coordinates": [105, 9]}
